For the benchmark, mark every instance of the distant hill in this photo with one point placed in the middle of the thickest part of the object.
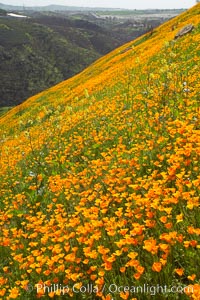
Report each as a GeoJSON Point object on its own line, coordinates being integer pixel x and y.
{"type": "Point", "coordinates": [39, 49]}
{"type": "Point", "coordinates": [38, 52]}
{"type": "Point", "coordinates": [53, 7]}
{"type": "Point", "coordinates": [3, 12]}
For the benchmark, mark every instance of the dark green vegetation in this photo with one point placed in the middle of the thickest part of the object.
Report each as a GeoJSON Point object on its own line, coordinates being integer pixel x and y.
{"type": "Point", "coordinates": [37, 53]}
{"type": "Point", "coordinates": [2, 12]}
{"type": "Point", "coordinates": [4, 110]}
{"type": "Point", "coordinates": [48, 47]}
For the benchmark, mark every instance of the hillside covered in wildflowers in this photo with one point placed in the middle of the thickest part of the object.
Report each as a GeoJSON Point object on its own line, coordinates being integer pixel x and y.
{"type": "Point", "coordinates": [100, 177]}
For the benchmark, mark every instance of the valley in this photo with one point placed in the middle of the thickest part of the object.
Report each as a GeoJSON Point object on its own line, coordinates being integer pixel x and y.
{"type": "Point", "coordinates": [41, 47]}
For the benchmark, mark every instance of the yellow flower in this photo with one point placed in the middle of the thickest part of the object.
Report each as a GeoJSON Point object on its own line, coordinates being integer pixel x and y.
{"type": "Point", "coordinates": [14, 293]}
{"type": "Point", "coordinates": [192, 277]}
{"type": "Point", "coordinates": [133, 255]}
{"type": "Point", "coordinates": [179, 218]}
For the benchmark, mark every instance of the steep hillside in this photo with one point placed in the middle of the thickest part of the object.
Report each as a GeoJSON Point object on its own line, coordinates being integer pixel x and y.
{"type": "Point", "coordinates": [39, 52]}
{"type": "Point", "coordinates": [48, 47]}
{"type": "Point", "coordinates": [100, 177]}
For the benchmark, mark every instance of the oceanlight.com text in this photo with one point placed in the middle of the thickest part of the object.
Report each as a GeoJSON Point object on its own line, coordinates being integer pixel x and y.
{"type": "Point", "coordinates": [112, 289]}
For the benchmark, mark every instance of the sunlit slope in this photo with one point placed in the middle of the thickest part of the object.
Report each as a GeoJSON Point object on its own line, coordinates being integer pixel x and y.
{"type": "Point", "coordinates": [100, 175]}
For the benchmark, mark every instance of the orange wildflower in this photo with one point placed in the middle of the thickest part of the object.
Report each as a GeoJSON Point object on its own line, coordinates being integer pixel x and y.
{"type": "Point", "coordinates": [192, 277]}
{"type": "Point", "coordinates": [122, 269]}
{"type": "Point", "coordinates": [150, 246]}
{"type": "Point", "coordinates": [124, 295]}
{"type": "Point", "coordinates": [157, 267]}
{"type": "Point", "coordinates": [2, 292]}
{"type": "Point", "coordinates": [180, 271]}
{"type": "Point", "coordinates": [51, 294]}
{"type": "Point", "coordinates": [133, 255]}
{"type": "Point", "coordinates": [137, 276]}
{"type": "Point", "coordinates": [193, 291]}
{"type": "Point", "coordinates": [14, 293]}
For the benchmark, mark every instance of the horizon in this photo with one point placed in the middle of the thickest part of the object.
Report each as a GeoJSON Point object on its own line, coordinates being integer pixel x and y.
{"type": "Point", "coordinates": [123, 4]}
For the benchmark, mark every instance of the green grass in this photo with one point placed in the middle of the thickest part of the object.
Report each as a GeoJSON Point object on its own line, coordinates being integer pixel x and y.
{"type": "Point", "coordinates": [4, 110]}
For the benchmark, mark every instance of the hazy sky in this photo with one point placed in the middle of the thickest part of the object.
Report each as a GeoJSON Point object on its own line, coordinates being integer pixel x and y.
{"type": "Point", "coordinates": [107, 3]}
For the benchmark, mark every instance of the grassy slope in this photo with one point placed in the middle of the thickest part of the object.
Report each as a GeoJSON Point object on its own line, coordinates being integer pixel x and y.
{"type": "Point", "coordinates": [4, 110]}
{"type": "Point", "coordinates": [100, 174]}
